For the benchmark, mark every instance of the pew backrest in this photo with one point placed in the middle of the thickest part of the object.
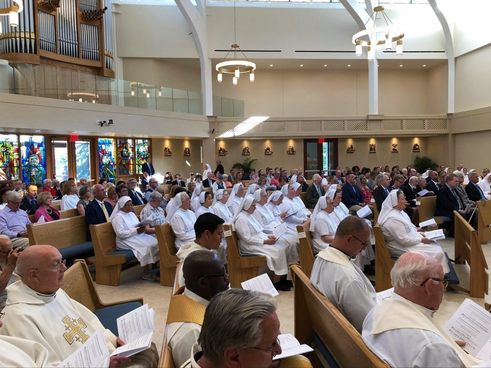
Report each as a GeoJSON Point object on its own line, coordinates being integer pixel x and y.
{"type": "Point", "coordinates": [383, 261]}
{"type": "Point", "coordinates": [60, 234]}
{"type": "Point", "coordinates": [306, 250]}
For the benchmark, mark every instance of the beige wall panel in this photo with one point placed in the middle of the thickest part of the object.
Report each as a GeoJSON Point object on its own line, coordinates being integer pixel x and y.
{"type": "Point", "coordinates": [438, 90]}
{"type": "Point", "coordinates": [257, 147]}
{"type": "Point", "coordinates": [176, 163]}
{"type": "Point", "coordinates": [477, 158]}
{"type": "Point", "coordinates": [383, 156]}
{"type": "Point", "coordinates": [473, 80]}
{"type": "Point", "coordinates": [438, 150]}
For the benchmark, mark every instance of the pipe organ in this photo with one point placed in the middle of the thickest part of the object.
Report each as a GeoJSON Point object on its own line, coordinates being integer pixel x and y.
{"type": "Point", "coordinates": [68, 31]}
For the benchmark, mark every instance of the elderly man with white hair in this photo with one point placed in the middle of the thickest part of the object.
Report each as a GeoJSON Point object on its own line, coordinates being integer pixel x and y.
{"type": "Point", "coordinates": [315, 191]}
{"type": "Point", "coordinates": [38, 310]}
{"type": "Point", "coordinates": [182, 222]}
{"type": "Point", "coordinates": [401, 330]}
{"type": "Point", "coordinates": [13, 221]}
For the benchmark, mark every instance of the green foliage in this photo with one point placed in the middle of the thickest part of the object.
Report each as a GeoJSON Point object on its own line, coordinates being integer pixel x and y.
{"type": "Point", "coordinates": [423, 163]}
{"type": "Point", "coordinates": [246, 165]}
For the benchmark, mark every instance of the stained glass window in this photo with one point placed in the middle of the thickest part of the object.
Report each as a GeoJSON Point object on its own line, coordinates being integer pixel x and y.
{"type": "Point", "coordinates": [9, 157]}
{"type": "Point", "coordinates": [142, 152]}
{"type": "Point", "coordinates": [82, 154]}
{"type": "Point", "coordinates": [33, 156]}
{"type": "Point", "coordinates": [107, 164]}
{"type": "Point", "coordinates": [126, 157]}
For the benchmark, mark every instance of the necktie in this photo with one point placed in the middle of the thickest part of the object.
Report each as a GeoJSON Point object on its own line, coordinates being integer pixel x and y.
{"type": "Point", "coordinates": [386, 191]}
{"type": "Point", "coordinates": [138, 197]}
{"type": "Point", "coordinates": [318, 191]}
{"type": "Point", "coordinates": [480, 191]}
{"type": "Point", "coordinates": [105, 212]}
{"type": "Point", "coordinates": [461, 205]}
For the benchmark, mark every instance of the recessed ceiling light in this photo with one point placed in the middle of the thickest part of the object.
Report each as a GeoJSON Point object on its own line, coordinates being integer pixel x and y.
{"type": "Point", "coordinates": [400, 66]}
{"type": "Point", "coordinates": [349, 65]}
{"type": "Point", "coordinates": [271, 65]}
{"type": "Point", "coordinates": [424, 65]}
{"type": "Point", "coordinates": [325, 65]}
{"type": "Point", "coordinates": [301, 65]}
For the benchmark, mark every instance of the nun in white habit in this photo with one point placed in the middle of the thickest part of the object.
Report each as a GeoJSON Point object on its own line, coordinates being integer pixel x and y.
{"type": "Point", "coordinates": [253, 241]}
{"type": "Point", "coordinates": [129, 237]}
{"type": "Point", "coordinates": [295, 210]}
{"type": "Point", "coordinates": [220, 206]}
{"type": "Point", "coordinates": [366, 256]}
{"type": "Point", "coordinates": [266, 218]}
{"type": "Point", "coordinates": [207, 170]}
{"type": "Point", "coordinates": [273, 204]}
{"type": "Point", "coordinates": [322, 227]}
{"type": "Point", "coordinates": [182, 222]}
{"type": "Point", "coordinates": [205, 202]}
{"type": "Point", "coordinates": [401, 235]}
{"type": "Point", "coordinates": [195, 199]}
{"type": "Point", "coordinates": [250, 191]}
{"type": "Point", "coordinates": [236, 197]}
{"type": "Point", "coordinates": [485, 186]}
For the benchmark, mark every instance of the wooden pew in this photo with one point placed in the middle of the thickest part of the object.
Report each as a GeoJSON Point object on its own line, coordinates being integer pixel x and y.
{"type": "Point", "coordinates": [68, 235]}
{"type": "Point", "coordinates": [78, 284]}
{"type": "Point", "coordinates": [168, 259]}
{"type": "Point", "coordinates": [483, 222]}
{"type": "Point", "coordinates": [303, 197]}
{"type": "Point", "coordinates": [108, 260]}
{"type": "Point", "coordinates": [240, 268]}
{"type": "Point", "coordinates": [63, 214]}
{"type": "Point", "coordinates": [316, 317]}
{"type": "Point", "coordinates": [468, 249]}
{"type": "Point", "coordinates": [306, 250]}
{"type": "Point", "coordinates": [138, 209]}
{"type": "Point", "coordinates": [427, 208]}
{"type": "Point", "coordinates": [383, 261]}
{"type": "Point", "coordinates": [165, 360]}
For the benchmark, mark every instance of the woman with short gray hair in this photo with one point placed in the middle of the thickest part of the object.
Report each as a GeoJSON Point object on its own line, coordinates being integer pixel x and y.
{"type": "Point", "coordinates": [154, 211]}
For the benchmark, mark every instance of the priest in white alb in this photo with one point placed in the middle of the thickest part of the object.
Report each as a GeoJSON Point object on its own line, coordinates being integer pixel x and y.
{"type": "Point", "coordinates": [182, 222]}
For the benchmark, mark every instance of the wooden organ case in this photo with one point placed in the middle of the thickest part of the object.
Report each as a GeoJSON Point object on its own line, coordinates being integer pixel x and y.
{"type": "Point", "coordinates": [65, 33]}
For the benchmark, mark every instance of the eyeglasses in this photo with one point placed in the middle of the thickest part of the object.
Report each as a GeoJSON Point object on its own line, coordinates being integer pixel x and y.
{"type": "Point", "coordinates": [273, 350]}
{"type": "Point", "coordinates": [15, 203]}
{"type": "Point", "coordinates": [443, 281]}
{"type": "Point", "coordinates": [5, 252]}
{"type": "Point", "coordinates": [364, 243]}
{"type": "Point", "coordinates": [55, 267]}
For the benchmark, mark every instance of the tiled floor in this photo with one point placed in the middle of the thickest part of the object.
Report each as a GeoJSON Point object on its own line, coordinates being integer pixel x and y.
{"type": "Point", "coordinates": [157, 296]}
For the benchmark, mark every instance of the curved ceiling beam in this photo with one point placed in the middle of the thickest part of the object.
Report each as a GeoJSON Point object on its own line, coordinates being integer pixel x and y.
{"type": "Point", "coordinates": [196, 19]}
{"type": "Point", "coordinates": [449, 49]}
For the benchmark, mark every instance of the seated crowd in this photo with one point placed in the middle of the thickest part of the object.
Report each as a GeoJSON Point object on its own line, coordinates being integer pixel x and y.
{"type": "Point", "coordinates": [255, 205]}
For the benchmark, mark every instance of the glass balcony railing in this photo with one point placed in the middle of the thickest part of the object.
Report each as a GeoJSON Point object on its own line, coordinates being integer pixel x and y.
{"type": "Point", "coordinates": [74, 85]}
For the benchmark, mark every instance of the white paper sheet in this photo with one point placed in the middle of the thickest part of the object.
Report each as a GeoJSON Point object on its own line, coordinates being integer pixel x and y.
{"type": "Point", "coordinates": [435, 234]}
{"type": "Point", "coordinates": [136, 324]}
{"type": "Point", "coordinates": [93, 353]}
{"type": "Point", "coordinates": [429, 223]}
{"type": "Point", "coordinates": [472, 323]}
{"type": "Point", "coordinates": [135, 346]}
{"type": "Point", "coordinates": [290, 347]}
{"type": "Point", "coordinates": [279, 230]}
{"type": "Point", "coordinates": [364, 212]}
{"type": "Point", "coordinates": [423, 193]}
{"type": "Point", "coordinates": [261, 283]}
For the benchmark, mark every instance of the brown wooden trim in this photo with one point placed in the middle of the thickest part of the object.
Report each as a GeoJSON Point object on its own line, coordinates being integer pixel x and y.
{"type": "Point", "coordinates": [69, 59]}
{"type": "Point", "coordinates": [22, 58]}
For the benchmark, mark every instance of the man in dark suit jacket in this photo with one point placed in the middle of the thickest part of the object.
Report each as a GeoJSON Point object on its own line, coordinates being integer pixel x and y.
{"type": "Point", "coordinates": [208, 182]}
{"type": "Point", "coordinates": [135, 195]}
{"type": "Point", "coordinates": [382, 191]}
{"type": "Point", "coordinates": [432, 182]}
{"type": "Point", "coordinates": [410, 190]}
{"type": "Point", "coordinates": [94, 213]}
{"type": "Point", "coordinates": [473, 190]}
{"type": "Point", "coordinates": [313, 191]}
{"type": "Point", "coordinates": [147, 167]}
{"type": "Point", "coordinates": [219, 169]}
{"type": "Point", "coordinates": [179, 181]}
{"type": "Point", "coordinates": [29, 203]}
{"type": "Point", "coordinates": [352, 197]}
{"type": "Point", "coordinates": [448, 199]}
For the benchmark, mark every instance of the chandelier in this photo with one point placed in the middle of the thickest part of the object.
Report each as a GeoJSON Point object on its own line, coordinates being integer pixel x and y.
{"type": "Point", "coordinates": [382, 35]}
{"type": "Point", "coordinates": [13, 12]}
{"type": "Point", "coordinates": [235, 66]}
{"type": "Point", "coordinates": [82, 96]}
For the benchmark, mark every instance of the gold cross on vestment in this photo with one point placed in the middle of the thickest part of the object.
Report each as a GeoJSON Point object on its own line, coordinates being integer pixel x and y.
{"type": "Point", "coordinates": [74, 330]}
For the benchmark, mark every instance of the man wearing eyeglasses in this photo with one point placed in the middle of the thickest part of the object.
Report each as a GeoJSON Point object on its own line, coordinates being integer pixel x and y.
{"type": "Point", "coordinates": [336, 276]}
{"type": "Point", "coordinates": [37, 309]}
{"type": "Point", "coordinates": [13, 221]}
{"type": "Point", "coordinates": [401, 329]}
{"type": "Point", "coordinates": [8, 261]}
{"type": "Point", "coordinates": [205, 276]}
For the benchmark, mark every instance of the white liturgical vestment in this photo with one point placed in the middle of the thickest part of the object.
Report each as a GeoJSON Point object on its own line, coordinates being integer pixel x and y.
{"type": "Point", "coordinates": [344, 284]}
{"type": "Point", "coordinates": [15, 352]}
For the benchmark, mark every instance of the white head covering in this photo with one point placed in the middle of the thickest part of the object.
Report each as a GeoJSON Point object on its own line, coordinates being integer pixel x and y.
{"type": "Point", "coordinates": [251, 190]}
{"type": "Point", "coordinates": [121, 202]}
{"type": "Point", "coordinates": [173, 205]}
{"type": "Point", "coordinates": [296, 186]}
{"type": "Point", "coordinates": [195, 198]}
{"type": "Point", "coordinates": [284, 189]}
{"type": "Point", "coordinates": [321, 205]}
{"type": "Point", "coordinates": [244, 205]}
{"type": "Point", "coordinates": [388, 207]}
{"type": "Point", "coordinates": [201, 200]}
{"type": "Point", "coordinates": [257, 195]}
{"type": "Point", "coordinates": [232, 194]}
{"type": "Point", "coordinates": [331, 192]}
{"type": "Point", "coordinates": [218, 196]}
{"type": "Point", "coordinates": [275, 196]}
{"type": "Point", "coordinates": [207, 170]}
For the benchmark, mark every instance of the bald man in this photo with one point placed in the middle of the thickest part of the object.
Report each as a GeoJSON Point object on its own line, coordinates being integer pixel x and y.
{"type": "Point", "coordinates": [8, 261]}
{"type": "Point", "coordinates": [37, 309]}
{"type": "Point", "coordinates": [401, 329]}
{"type": "Point", "coordinates": [205, 276]}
